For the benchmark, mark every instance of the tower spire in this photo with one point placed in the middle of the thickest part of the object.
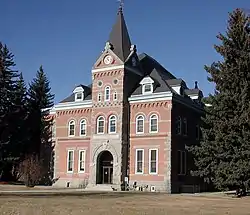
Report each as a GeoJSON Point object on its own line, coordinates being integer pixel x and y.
{"type": "Point", "coordinates": [121, 4]}
{"type": "Point", "coordinates": [119, 37]}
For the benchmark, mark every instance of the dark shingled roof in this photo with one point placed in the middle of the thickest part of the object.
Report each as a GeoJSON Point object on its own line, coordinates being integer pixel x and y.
{"type": "Point", "coordinates": [192, 91]}
{"type": "Point", "coordinates": [87, 94]}
{"type": "Point", "coordinates": [119, 37]}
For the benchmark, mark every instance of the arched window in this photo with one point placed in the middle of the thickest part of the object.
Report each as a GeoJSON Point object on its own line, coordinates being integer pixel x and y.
{"type": "Point", "coordinates": [83, 128]}
{"type": "Point", "coordinates": [71, 128]}
{"type": "Point", "coordinates": [112, 124]}
{"type": "Point", "coordinates": [178, 125]}
{"type": "Point", "coordinates": [140, 124]}
{"type": "Point", "coordinates": [107, 93]}
{"type": "Point", "coordinates": [99, 97]}
{"type": "Point", "coordinates": [100, 125]}
{"type": "Point", "coordinates": [153, 123]}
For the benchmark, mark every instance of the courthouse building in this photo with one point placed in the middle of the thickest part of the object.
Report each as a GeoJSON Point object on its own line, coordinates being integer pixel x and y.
{"type": "Point", "coordinates": [131, 123]}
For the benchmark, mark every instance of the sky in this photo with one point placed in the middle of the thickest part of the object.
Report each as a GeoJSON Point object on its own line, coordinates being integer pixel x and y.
{"type": "Point", "coordinates": [67, 36]}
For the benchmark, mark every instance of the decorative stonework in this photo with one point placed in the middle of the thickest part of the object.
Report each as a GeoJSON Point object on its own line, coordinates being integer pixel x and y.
{"type": "Point", "coordinates": [97, 148]}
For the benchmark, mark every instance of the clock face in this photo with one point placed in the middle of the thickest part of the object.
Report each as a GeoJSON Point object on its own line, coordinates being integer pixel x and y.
{"type": "Point", "coordinates": [108, 59]}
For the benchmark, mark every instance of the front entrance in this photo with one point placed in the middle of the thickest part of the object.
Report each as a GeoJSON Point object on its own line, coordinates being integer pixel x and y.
{"type": "Point", "coordinates": [104, 171]}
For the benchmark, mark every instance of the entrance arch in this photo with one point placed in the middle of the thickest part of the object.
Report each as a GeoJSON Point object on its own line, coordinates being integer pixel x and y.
{"type": "Point", "coordinates": [104, 168]}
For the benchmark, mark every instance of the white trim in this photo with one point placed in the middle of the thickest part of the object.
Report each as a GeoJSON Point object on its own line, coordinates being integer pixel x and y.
{"type": "Point", "coordinates": [78, 89]}
{"type": "Point", "coordinates": [148, 92]}
{"type": "Point", "coordinates": [74, 123]}
{"type": "Point", "coordinates": [109, 124]}
{"type": "Point", "coordinates": [80, 133]}
{"type": "Point", "coordinates": [70, 150]}
{"type": "Point", "coordinates": [105, 93]}
{"type": "Point", "coordinates": [157, 151]}
{"type": "Point", "coordinates": [79, 162]}
{"type": "Point", "coordinates": [73, 105]}
{"type": "Point", "coordinates": [147, 80]}
{"type": "Point", "coordinates": [150, 97]}
{"type": "Point", "coordinates": [97, 125]}
{"type": "Point", "coordinates": [157, 118]}
{"type": "Point", "coordinates": [139, 173]}
{"type": "Point", "coordinates": [136, 124]}
{"type": "Point", "coordinates": [82, 96]}
{"type": "Point", "coordinates": [108, 68]}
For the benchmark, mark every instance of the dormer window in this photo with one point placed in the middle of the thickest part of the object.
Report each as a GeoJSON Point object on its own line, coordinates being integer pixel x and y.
{"type": "Point", "coordinates": [147, 88]}
{"type": "Point", "coordinates": [147, 85]}
{"type": "Point", "coordinates": [79, 93]}
{"type": "Point", "coordinates": [79, 96]}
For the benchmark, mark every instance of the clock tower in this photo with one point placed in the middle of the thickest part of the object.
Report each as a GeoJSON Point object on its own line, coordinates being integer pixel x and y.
{"type": "Point", "coordinates": [109, 146]}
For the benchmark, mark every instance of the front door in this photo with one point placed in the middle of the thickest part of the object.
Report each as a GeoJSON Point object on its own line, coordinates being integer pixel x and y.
{"type": "Point", "coordinates": [107, 175]}
{"type": "Point", "coordinates": [104, 168]}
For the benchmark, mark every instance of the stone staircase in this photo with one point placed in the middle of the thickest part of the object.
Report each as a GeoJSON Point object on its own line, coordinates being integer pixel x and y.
{"type": "Point", "coordinates": [100, 187]}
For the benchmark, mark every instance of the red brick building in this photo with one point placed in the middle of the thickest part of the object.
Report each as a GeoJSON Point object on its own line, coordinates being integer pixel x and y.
{"type": "Point", "coordinates": [131, 124]}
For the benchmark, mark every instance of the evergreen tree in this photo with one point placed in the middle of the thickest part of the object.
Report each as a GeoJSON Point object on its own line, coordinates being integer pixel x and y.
{"type": "Point", "coordinates": [223, 156]}
{"type": "Point", "coordinates": [7, 91]}
{"type": "Point", "coordinates": [40, 100]}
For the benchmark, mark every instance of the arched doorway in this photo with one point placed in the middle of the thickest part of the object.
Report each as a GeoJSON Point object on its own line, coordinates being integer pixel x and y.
{"type": "Point", "coordinates": [104, 171]}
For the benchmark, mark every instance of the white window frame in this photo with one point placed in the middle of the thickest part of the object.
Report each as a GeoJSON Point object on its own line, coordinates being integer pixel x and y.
{"type": "Point", "coordinates": [97, 125]}
{"type": "Point", "coordinates": [82, 96]}
{"type": "Point", "coordinates": [136, 162]}
{"type": "Point", "coordinates": [136, 124]}
{"type": "Point", "coordinates": [183, 170]}
{"type": "Point", "coordinates": [157, 161]}
{"type": "Point", "coordinates": [144, 86]}
{"type": "Point", "coordinates": [109, 124]}
{"type": "Point", "coordinates": [115, 96]}
{"type": "Point", "coordinates": [150, 123]}
{"type": "Point", "coordinates": [79, 161]}
{"type": "Point", "coordinates": [83, 121]}
{"type": "Point", "coordinates": [99, 97]}
{"type": "Point", "coordinates": [185, 127]}
{"type": "Point", "coordinates": [70, 171]}
{"type": "Point", "coordinates": [109, 93]}
{"type": "Point", "coordinates": [179, 124]}
{"type": "Point", "coordinates": [74, 124]}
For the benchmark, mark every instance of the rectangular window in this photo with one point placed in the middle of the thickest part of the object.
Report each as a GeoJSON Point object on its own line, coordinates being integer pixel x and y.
{"type": "Point", "coordinates": [81, 160]}
{"type": "Point", "coordinates": [153, 161]}
{"type": "Point", "coordinates": [147, 88]}
{"type": "Point", "coordinates": [139, 164]}
{"type": "Point", "coordinates": [83, 128]}
{"type": "Point", "coordinates": [99, 97]}
{"type": "Point", "coordinates": [185, 127]}
{"type": "Point", "coordinates": [182, 163]}
{"type": "Point", "coordinates": [70, 161]}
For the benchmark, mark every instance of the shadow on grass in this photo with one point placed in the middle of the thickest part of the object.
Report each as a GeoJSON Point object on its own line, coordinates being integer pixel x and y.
{"type": "Point", "coordinates": [78, 194]}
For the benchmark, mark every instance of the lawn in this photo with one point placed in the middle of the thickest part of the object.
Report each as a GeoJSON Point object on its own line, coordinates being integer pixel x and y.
{"type": "Point", "coordinates": [127, 204]}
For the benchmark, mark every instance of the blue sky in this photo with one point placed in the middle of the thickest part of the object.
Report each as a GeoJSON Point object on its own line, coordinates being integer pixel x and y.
{"type": "Point", "coordinates": [66, 37]}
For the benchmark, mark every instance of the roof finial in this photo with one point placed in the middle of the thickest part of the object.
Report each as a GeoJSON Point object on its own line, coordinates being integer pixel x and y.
{"type": "Point", "coordinates": [121, 4]}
